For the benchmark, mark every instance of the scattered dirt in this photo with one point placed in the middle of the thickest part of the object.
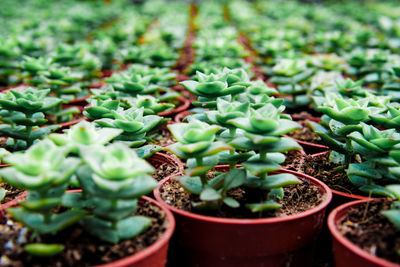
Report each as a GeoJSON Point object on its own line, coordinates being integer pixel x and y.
{"type": "Point", "coordinates": [371, 231]}
{"type": "Point", "coordinates": [298, 198]}
{"type": "Point", "coordinates": [305, 134]}
{"type": "Point", "coordinates": [332, 174]}
{"type": "Point", "coordinates": [81, 249]}
{"type": "Point", "coordinates": [11, 192]}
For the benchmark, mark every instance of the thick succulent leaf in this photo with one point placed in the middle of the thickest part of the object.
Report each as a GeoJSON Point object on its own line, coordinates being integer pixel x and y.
{"type": "Point", "coordinates": [360, 139]}
{"type": "Point", "coordinates": [56, 222]}
{"type": "Point", "coordinates": [376, 190]}
{"type": "Point", "coordinates": [363, 169]}
{"type": "Point", "coordinates": [210, 194]}
{"type": "Point", "coordinates": [257, 166]}
{"type": "Point", "coordinates": [395, 189]}
{"type": "Point", "coordinates": [393, 215]}
{"type": "Point", "coordinates": [263, 206]}
{"type": "Point", "coordinates": [234, 178]}
{"type": "Point", "coordinates": [132, 226]}
{"type": "Point", "coordinates": [231, 202]}
{"type": "Point", "coordinates": [279, 180]}
{"type": "Point", "coordinates": [43, 250]}
{"type": "Point", "coordinates": [192, 184]}
{"type": "Point", "coordinates": [147, 151]}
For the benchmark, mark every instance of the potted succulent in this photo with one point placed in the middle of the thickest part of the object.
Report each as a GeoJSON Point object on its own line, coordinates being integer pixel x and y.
{"type": "Point", "coordinates": [382, 249]}
{"type": "Point", "coordinates": [113, 179]}
{"type": "Point", "coordinates": [231, 208]}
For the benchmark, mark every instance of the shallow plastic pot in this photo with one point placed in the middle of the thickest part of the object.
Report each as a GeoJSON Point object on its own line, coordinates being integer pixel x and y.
{"type": "Point", "coordinates": [159, 158]}
{"type": "Point", "coordinates": [152, 256]}
{"type": "Point", "coordinates": [284, 241]}
{"type": "Point", "coordinates": [311, 148]}
{"type": "Point", "coordinates": [346, 253]}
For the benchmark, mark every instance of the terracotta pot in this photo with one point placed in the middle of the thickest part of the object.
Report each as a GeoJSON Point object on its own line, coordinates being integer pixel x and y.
{"type": "Point", "coordinates": [346, 253]}
{"type": "Point", "coordinates": [152, 256]}
{"type": "Point", "coordinates": [283, 241]}
{"type": "Point", "coordinates": [185, 104]}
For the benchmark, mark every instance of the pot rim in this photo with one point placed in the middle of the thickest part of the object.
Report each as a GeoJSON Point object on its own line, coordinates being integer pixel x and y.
{"type": "Point", "coordinates": [336, 215]}
{"type": "Point", "coordinates": [142, 254]}
{"type": "Point", "coordinates": [326, 200]}
{"type": "Point", "coordinates": [185, 104]}
{"type": "Point", "coordinates": [162, 157]}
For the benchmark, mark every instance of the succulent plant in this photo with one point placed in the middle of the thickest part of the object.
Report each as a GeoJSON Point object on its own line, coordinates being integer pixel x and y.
{"type": "Point", "coordinates": [84, 134]}
{"type": "Point", "coordinates": [23, 111]}
{"type": "Point", "coordinates": [373, 146]}
{"type": "Point", "coordinates": [112, 180]}
{"type": "Point", "coordinates": [393, 214]}
{"type": "Point", "coordinates": [209, 87]}
{"type": "Point", "coordinates": [45, 171]}
{"type": "Point", "coordinates": [132, 84]}
{"type": "Point", "coordinates": [133, 124]}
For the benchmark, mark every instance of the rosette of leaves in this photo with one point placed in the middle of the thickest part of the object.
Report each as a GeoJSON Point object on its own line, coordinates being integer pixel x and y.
{"type": "Point", "coordinates": [263, 129]}
{"type": "Point", "coordinates": [390, 119]}
{"type": "Point", "coordinates": [216, 64]}
{"type": "Point", "coordinates": [158, 54]}
{"type": "Point", "coordinates": [347, 111]}
{"type": "Point", "coordinates": [132, 84]}
{"type": "Point", "coordinates": [374, 146]}
{"type": "Point", "coordinates": [289, 74]}
{"type": "Point", "coordinates": [222, 116]}
{"type": "Point", "coordinates": [392, 85]}
{"type": "Point", "coordinates": [133, 124]}
{"type": "Point", "coordinates": [84, 134]}
{"type": "Point", "coordinates": [45, 171]}
{"type": "Point", "coordinates": [23, 111]}
{"type": "Point", "coordinates": [112, 180]}
{"type": "Point", "coordinates": [33, 65]}
{"type": "Point", "coordinates": [375, 69]}
{"type": "Point", "coordinates": [160, 76]}
{"type": "Point", "coordinates": [196, 143]}
{"type": "Point", "coordinates": [150, 104]}
{"type": "Point", "coordinates": [99, 108]}
{"type": "Point", "coordinates": [210, 87]}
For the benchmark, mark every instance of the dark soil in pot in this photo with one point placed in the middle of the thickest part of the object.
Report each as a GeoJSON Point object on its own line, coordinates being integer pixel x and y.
{"type": "Point", "coordinates": [332, 174]}
{"type": "Point", "coordinates": [294, 160]}
{"type": "Point", "coordinates": [368, 229]}
{"type": "Point", "coordinates": [298, 198]}
{"type": "Point", "coordinates": [164, 170]}
{"type": "Point", "coordinates": [305, 134]}
{"type": "Point", "coordinates": [11, 192]}
{"type": "Point", "coordinates": [81, 249]}
{"type": "Point", "coordinates": [163, 138]}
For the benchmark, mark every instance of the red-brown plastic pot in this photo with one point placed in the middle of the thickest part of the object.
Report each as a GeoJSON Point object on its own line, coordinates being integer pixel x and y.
{"type": "Point", "coordinates": [346, 253]}
{"type": "Point", "coordinates": [184, 105]}
{"type": "Point", "coordinates": [152, 256]}
{"type": "Point", "coordinates": [181, 115]}
{"type": "Point", "coordinates": [311, 148]}
{"type": "Point", "coordinates": [283, 241]}
{"type": "Point", "coordinates": [81, 101]}
{"type": "Point", "coordinates": [160, 158]}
